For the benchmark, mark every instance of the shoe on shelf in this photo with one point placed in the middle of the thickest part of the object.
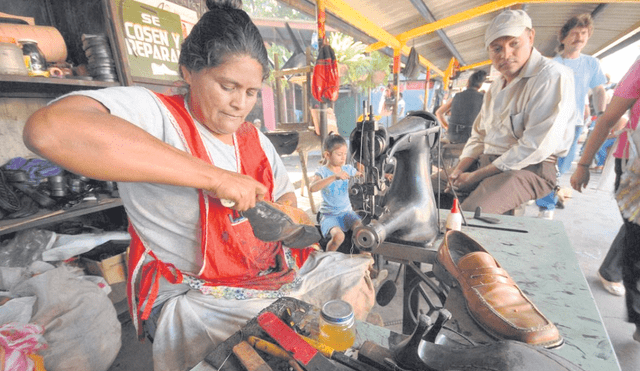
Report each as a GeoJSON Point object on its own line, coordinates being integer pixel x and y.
{"type": "Point", "coordinates": [615, 288]}
{"type": "Point", "coordinates": [546, 214]}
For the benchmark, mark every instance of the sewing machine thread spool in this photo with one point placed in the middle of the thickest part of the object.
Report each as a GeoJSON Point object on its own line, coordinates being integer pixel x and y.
{"type": "Point", "coordinates": [454, 220]}
{"type": "Point", "coordinates": [337, 325]}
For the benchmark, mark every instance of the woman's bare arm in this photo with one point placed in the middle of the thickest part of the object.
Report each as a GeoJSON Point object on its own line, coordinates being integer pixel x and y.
{"type": "Point", "coordinates": [80, 134]}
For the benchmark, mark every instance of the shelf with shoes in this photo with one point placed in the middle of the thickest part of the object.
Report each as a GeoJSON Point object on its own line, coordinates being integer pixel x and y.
{"type": "Point", "coordinates": [44, 217]}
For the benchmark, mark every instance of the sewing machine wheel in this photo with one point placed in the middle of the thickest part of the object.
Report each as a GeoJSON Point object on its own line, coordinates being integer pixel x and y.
{"type": "Point", "coordinates": [424, 296]}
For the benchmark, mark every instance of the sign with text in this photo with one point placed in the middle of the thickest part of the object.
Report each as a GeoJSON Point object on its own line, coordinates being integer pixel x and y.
{"type": "Point", "coordinates": [152, 38]}
{"type": "Point", "coordinates": [188, 17]}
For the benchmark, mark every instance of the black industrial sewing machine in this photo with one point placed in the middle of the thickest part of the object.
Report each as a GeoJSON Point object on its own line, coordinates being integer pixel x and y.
{"type": "Point", "coordinates": [405, 210]}
{"type": "Point", "coordinates": [397, 203]}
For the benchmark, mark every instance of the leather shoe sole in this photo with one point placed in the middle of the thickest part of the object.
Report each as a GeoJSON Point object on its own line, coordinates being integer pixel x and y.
{"type": "Point", "coordinates": [271, 224]}
{"type": "Point", "coordinates": [493, 299]}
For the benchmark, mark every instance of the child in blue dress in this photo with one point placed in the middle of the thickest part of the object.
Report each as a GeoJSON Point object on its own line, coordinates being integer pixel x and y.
{"type": "Point", "coordinates": [336, 214]}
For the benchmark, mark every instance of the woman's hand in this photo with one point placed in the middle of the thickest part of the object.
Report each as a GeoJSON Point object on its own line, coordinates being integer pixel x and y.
{"type": "Point", "coordinates": [580, 178]}
{"type": "Point", "coordinates": [243, 190]}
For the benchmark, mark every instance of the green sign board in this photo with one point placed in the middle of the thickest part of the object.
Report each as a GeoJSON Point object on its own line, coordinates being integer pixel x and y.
{"type": "Point", "coordinates": [152, 38]}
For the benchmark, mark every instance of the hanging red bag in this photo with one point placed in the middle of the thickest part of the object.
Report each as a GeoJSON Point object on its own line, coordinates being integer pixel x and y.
{"type": "Point", "coordinates": [326, 81]}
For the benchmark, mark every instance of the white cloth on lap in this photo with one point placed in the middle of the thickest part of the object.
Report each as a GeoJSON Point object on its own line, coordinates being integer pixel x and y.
{"type": "Point", "coordinates": [191, 325]}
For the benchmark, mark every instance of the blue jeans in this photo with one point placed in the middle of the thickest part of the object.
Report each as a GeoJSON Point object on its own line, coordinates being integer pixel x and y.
{"type": "Point", "coordinates": [601, 155]}
{"type": "Point", "coordinates": [549, 201]}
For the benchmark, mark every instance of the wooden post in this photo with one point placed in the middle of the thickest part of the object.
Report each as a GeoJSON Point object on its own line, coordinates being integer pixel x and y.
{"type": "Point", "coordinates": [278, 95]}
{"type": "Point", "coordinates": [291, 112]}
{"type": "Point", "coordinates": [321, 17]}
{"type": "Point", "coordinates": [425, 106]}
{"type": "Point", "coordinates": [307, 89]}
{"type": "Point", "coordinates": [305, 179]}
{"type": "Point", "coordinates": [396, 85]}
{"type": "Point", "coordinates": [307, 141]}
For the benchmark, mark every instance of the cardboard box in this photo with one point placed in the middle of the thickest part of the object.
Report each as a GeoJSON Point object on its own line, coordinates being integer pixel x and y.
{"type": "Point", "coordinates": [107, 260]}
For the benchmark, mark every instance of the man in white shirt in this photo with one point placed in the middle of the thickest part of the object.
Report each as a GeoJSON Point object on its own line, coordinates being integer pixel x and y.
{"type": "Point", "coordinates": [526, 122]}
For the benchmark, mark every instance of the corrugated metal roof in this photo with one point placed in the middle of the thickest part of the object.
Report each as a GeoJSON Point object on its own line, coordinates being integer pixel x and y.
{"type": "Point", "coordinates": [613, 21]}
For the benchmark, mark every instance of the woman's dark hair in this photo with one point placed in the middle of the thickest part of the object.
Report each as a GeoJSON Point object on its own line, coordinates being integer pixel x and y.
{"type": "Point", "coordinates": [582, 20]}
{"type": "Point", "coordinates": [222, 32]}
{"type": "Point", "coordinates": [332, 141]}
{"type": "Point", "coordinates": [476, 79]}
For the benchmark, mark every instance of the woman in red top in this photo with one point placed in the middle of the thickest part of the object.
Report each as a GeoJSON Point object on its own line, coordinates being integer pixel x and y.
{"type": "Point", "coordinates": [201, 272]}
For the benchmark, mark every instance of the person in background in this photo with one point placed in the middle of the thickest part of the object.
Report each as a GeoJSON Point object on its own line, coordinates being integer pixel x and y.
{"type": "Point", "coordinates": [463, 109]}
{"type": "Point", "coordinates": [401, 106]}
{"type": "Point", "coordinates": [525, 122]}
{"type": "Point", "coordinates": [385, 106]}
{"type": "Point", "coordinates": [587, 74]}
{"type": "Point", "coordinates": [258, 124]}
{"type": "Point", "coordinates": [619, 272]}
{"type": "Point", "coordinates": [175, 159]}
{"type": "Point", "coordinates": [336, 214]}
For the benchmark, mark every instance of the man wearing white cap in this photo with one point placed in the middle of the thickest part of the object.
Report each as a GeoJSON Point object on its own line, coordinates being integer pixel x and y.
{"type": "Point", "coordinates": [523, 126]}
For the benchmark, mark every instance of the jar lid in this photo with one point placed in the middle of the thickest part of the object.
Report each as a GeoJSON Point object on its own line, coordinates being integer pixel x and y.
{"type": "Point", "coordinates": [337, 311]}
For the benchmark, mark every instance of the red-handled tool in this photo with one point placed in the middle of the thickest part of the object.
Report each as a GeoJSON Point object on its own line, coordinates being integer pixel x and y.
{"type": "Point", "coordinates": [289, 340]}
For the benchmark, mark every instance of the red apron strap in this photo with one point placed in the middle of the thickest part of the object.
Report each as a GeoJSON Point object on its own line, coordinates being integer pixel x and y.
{"type": "Point", "coordinates": [149, 280]}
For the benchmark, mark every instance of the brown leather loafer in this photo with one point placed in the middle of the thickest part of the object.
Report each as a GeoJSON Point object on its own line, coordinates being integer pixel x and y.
{"type": "Point", "coordinates": [493, 299]}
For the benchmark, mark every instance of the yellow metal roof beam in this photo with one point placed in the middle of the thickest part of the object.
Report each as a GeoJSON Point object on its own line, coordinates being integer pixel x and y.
{"type": "Point", "coordinates": [475, 65]}
{"type": "Point", "coordinates": [454, 19]}
{"type": "Point", "coordinates": [472, 13]}
{"type": "Point", "coordinates": [356, 19]}
{"type": "Point", "coordinates": [375, 46]}
{"type": "Point", "coordinates": [484, 9]}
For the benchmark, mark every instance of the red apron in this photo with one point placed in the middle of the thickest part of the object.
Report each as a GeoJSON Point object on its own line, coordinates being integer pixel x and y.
{"type": "Point", "coordinates": [232, 255]}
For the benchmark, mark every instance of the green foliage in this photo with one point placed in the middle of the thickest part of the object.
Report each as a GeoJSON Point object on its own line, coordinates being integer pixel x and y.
{"type": "Point", "coordinates": [350, 53]}
{"type": "Point", "coordinates": [272, 9]}
{"type": "Point", "coordinates": [360, 67]}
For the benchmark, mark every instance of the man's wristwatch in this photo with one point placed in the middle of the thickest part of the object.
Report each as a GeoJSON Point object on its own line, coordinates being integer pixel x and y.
{"type": "Point", "coordinates": [583, 165]}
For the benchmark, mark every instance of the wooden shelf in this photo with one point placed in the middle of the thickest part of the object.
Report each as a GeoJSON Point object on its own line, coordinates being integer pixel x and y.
{"type": "Point", "coordinates": [45, 216]}
{"type": "Point", "coordinates": [27, 86]}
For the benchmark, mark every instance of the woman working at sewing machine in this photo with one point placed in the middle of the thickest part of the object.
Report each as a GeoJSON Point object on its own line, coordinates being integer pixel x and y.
{"type": "Point", "coordinates": [336, 214]}
{"type": "Point", "coordinates": [175, 157]}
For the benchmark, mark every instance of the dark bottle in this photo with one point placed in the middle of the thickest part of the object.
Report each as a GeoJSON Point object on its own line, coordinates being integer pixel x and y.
{"type": "Point", "coordinates": [34, 58]}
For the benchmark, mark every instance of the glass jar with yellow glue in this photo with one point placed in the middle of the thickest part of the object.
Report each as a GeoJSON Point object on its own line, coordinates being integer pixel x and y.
{"type": "Point", "coordinates": [337, 325]}
{"type": "Point", "coordinates": [34, 58]}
